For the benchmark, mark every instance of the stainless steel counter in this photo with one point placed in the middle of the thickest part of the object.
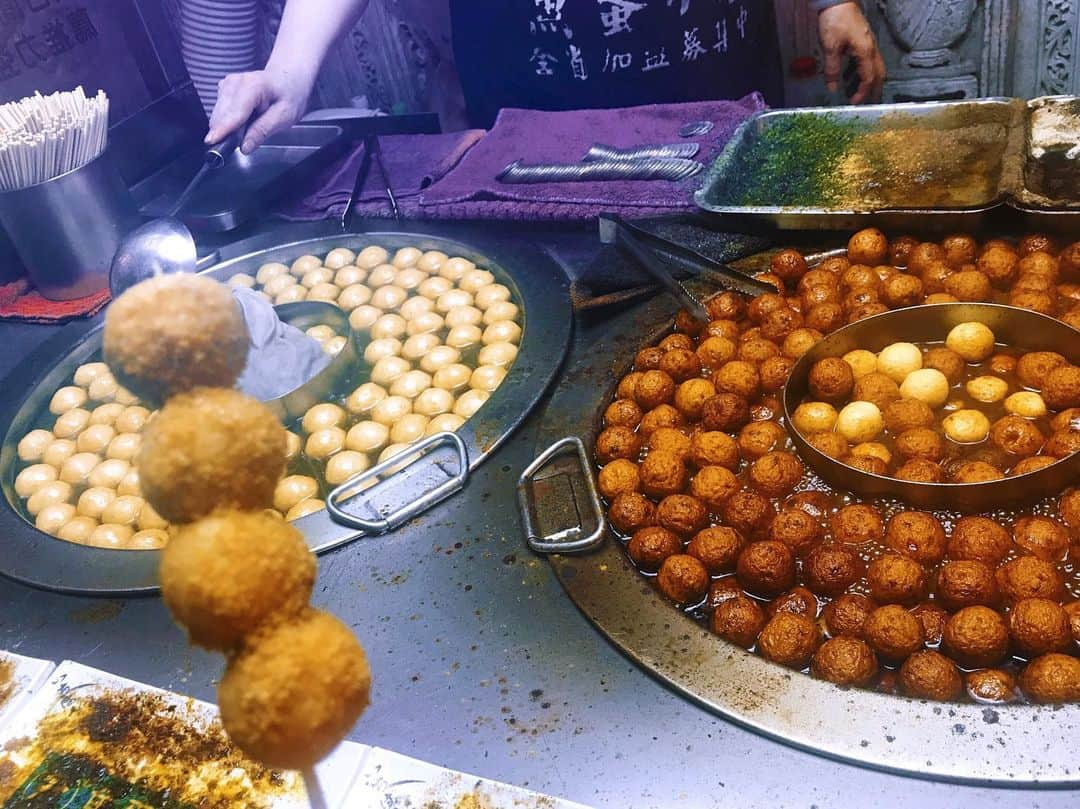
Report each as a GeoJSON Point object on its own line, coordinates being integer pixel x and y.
{"type": "Point", "coordinates": [482, 663]}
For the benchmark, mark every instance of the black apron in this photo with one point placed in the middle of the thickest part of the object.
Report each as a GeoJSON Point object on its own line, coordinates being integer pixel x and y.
{"type": "Point", "coordinates": [578, 54]}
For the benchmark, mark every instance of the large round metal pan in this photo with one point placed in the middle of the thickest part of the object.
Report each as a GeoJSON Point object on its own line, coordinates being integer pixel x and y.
{"type": "Point", "coordinates": [1011, 745]}
{"type": "Point", "coordinates": [35, 558]}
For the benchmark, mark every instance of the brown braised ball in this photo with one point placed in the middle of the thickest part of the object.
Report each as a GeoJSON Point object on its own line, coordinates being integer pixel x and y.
{"type": "Point", "coordinates": [683, 579]}
{"type": "Point", "coordinates": [726, 306]}
{"type": "Point", "coordinates": [812, 295]}
{"type": "Point", "coordinates": [907, 414]}
{"type": "Point", "coordinates": [654, 388]}
{"type": "Point", "coordinates": [921, 442]}
{"type": "Point", "coordinates": [845, 661]}
{"type": "Point", "coordinates": [990, 685]}
{"type": "Point", "coordinates": [1034, 283]}
{"type": "Point", "coordinates": [779, 323]}
{"type": "Point", "coordinates": [763, 305]}
{"type": "Point", "coordinates": [789, 639]}
{"type": "Point", "coordinates": [933, 277]}
{"type": "Point", "coordinates": [1017, 436]}
{"type": "Point", "coordinates": [1041, 537]}
{"type": "Point", "coordinates": [775, 473]}
{"type": "Point", "coordinates": [1069, 259]}
{"type": "Point", "coordinates": [896, 579]}
{"type": "Point", "coordinates": [845, 616]}
{"type": "Point", "coordinates": [1000, 265]}
{"type": "Point", "coordinates": [738, 377]}
{"type": "Point", "coordinates": [1061, 444]}
{"type": "Point", "coordinates": [721, 590]}
{"type": "Point", "coordinates": [866, 463]}
{"type": "Point", "coordinates": [1032, 464]}
{"type": "Point", "coordinates": [797, 529]}
{"type": "Point", "coordinates": [1036, 241]}
{"type": "Point", "coordinates": [969, 285]}
{"type": "Point", "coordinates": [669, 439]}
{"type": "Point", "coordinates": [650, 546]}
{"type": "Point", "coordinates": [1039, 263]}
{"type": "Point", "coordinates": [622, 413]}
{"type": "Point", "coordinates": [923, 255]}
{"type": "Point", "coordinates": [867, 310]}
{"type": "Point", "coordinates": [1072, 609]}
{"type": "Point", "coordinates": [1067, 419]}
{"type": "Point", "coordinates": [766, 568]}
{"type": "Point", "coordinates": [691, 395]}
{"type": "Point", "coordinates": [893, 632]}
{"type": "Point", "coordinates": [825, 317]}
{"type": "Point", "coordinates": [947, 361]}
{"type": "Point", "coordinates": [820, 276]}
{"type": "Point", "coordinates": [829, 569]}
{"type": "Point", "coordinates": [648, 359]}
{"type": "Point", "coordinates": [789, 264]}
{"type": "Point", "coordinates": [714, 485]}
{"type": "Point", "coordinates": [627, 385]}
{"type": "Point", "coordinates": [996, 242]}
{"type": "Point", "coordinates": [960, 249]}
{"type": "Point", "coordinates": [833, 445]}
{"type": "Point", "coordinates": [748, 512]}
{"type": "Point", "coordinates": [738, 620]}
{"type": "Point", "coordinates": [815, 503]}
{"type": "Point", "coordinates": [918, 535]}
{"type": "Point", "coordinates": [1034, 367]}
{"type": "Point", "coordinates": [714, 448]}
{"type": "Point", "coordinates": [930, 675]}
{"type": "Point", "coordinates": [725, 412]}
{"type": "Point", "coordinates": [798, 600]}
{"type": "Point", "coordinates": [867, 246]}
{"type": "Point", "coordinates": [876, 388]}
{"type": "Point", "coordinates": [1038, 626]}
{"type": "Point", "coordinates": [774, 373]}
{"type": "Point", "coordinates": [831, 379]}
{"type": "Point", "coordinates": [920, 470]}
{"type": "Point", "coordinates": [974, 472]}
{"type": "Point", "coordinates": [680, 364]}
{"type": "Point", "coordinates": [901, 290]}
{"type": "Point", "coordinates": [976, 637]}
{"type": "Point", "coordinates": [932, 618]}
{"type": "Point", "coordinates": [660, 416]}
{"type": "Point", "coordinates": [1069, 509]}
{"type": "Point", "coordinates": [862, 295]}
{"type": "Point", "coordinates": [1052, 678]}
{"type": "Point", "coordinates": [1003, 364]}
{"type": "Point", "coordinates": [1062, 387]}
{"type": "Point", "coordinates": [800, 341]}
{"type": "Point", "coordinates": [662, 473]}
{"type": "Point", "coordinates": [617, 442]}
{"type": "Point", "coordinates": [618, 477]}
{"type": "Point", "coordinates": [966, 583]}
{"type": "Point", "coordinates": [673, 341]}
{"type": "Point", "coordinates": [715, 351]}
{"type": "Point", "coordinates": [856, 524]}
{"type": "Point", "coordinates": [682, 514]}
{"type": "Point", "coordinates": [759, 438]}
{"type": "Point", "coordinates": [900, 250]}
{"type": "Point", "coordinates": [631, 512]}
{"type": "Point", "coordinates": [979, 539]}
{"type": "Point", "coordinates": [717, 548]}
{"type": "Point", "coordinates": [686, 323]}
{"type": "Point", "coordinates": [1029, 577]}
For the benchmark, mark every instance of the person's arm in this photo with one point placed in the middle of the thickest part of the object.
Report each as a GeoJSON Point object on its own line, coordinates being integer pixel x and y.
{"type": "Point", "coordinates": [843, 29]}
{"type": "Point", "coordinates": [275, 97]}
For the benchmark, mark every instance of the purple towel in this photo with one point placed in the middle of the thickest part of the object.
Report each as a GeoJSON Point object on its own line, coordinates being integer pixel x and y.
{"type": "Point", "coordinates": [471, 191]}
{"type": "Point", "coordinates": [413, 162]}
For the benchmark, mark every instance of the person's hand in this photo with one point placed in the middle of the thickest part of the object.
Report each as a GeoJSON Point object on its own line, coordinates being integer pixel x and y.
{"type": "Point", "coordinates": [266, 100]}
{"type": "Point", "coordinates": [844, 30]}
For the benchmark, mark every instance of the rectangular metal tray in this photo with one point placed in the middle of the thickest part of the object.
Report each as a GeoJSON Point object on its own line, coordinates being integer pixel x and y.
{"type": "Point", "coordinates": [974, 160]}
{"type": "Point", "coordinates": [247, 184]}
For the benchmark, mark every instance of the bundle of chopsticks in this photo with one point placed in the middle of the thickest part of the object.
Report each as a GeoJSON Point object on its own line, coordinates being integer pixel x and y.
{"type": "Point", "coordinates": [42, 137]}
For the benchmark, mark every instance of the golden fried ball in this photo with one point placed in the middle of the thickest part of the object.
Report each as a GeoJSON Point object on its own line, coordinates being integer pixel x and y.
{"type": "Point", "coordinates": [382, 275]}
{"type": "Point", "coordinates": [859, 421]}
{"type": "Point", "coordinates": [323, 443]}
{"type": "Point", "coordinates": [814, 417]}
{"type": "Point", "coordinates": [927, 385]}
{"type": "Point", "coordinates": [862, 362]}
{"type": "Point", "coordinates": [88, 372]}
{"type": "Point", "coordinates": [67, 398]}
{"type": "Point", "coordinates": [363, 317]}
{"type": "Point", "coordinates": [389, 325]}
{"type": "Point", "coordinates": [390, 409]}
{"type": "Point", "coordinates": [109, 473]}
{"type": "Point", "coordinates": [58, 452]}
{"type": "Point", "coordinates": [1027, 404]}
{"type": "Point", "coordinates": [452, 377]}
{"type": "Point", "coordinates": [322, 416]}
{"type": "Point", "coordinates": [173, 333]}
{"type": "Point", "coordinates": [966, 426]}
{"type": "Point", "coordinates": [32, 446]}
{"type": "Point", "coordinates": [209, 448]}
{"type": "Point", "coordinates": [32, 478]}
{"type": "Point", "coordinates": [293, 489]}
{"type": "Point", "coordinates": [1052, 678]}
{"type": "Point", "coordinates": [294, 690]}
{"type": "Point", "coordinates": [47, 495]}
{"type": "Point", "coordinates": [53, 517]}
{"type": "Point", "coordinates": [93, 501]}
{"type": "Point", "coordinates": [973, 341]}
{"type": "Point", "coordinates": [469, 402]}
{"type": "Point", "coordinates": [388, 369]}
{"type": "Point", "coordinates": [462, 337]}
{"type": "Point", "coordinates": [987, 389]}
{"type": "Point", "coordinates": [372, 256]}
{"type": "Point", "coordinates": [897, 360]}
{"type": "Point", "coordinates": [434, 402]}
{"type": "Point", "coordinates": [501, 331]}
{"type": "Point", "coordinates": [71, 423]}
{"type": "Point", "coordinates": [345, 465]}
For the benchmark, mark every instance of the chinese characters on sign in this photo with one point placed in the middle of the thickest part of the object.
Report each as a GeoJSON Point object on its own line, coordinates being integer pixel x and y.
{"type": "Point", "coordinates": [58, 31]}
{"type": "Point", "coordinates": [624, 24]}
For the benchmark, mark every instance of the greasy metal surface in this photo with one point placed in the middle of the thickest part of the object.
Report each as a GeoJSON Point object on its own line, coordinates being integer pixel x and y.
{"type": "Point", "coordinates": [481, 663]}
{"type": "Point", "coordinates": [1001, 745]}
{"type": "Point", "coordinates": [1014, 327]}
{"type": "Point", "coordinates": [35, 558]}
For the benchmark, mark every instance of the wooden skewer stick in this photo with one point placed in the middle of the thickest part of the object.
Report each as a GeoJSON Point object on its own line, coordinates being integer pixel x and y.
{"type": "Point", "coordinates": [314, 790]}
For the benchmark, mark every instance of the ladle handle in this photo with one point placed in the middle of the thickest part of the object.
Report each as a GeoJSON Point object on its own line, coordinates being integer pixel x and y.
{"type": "Point", "coordinates": [571, 508]}
{"type": "Point", "coordinates": [218, 153]}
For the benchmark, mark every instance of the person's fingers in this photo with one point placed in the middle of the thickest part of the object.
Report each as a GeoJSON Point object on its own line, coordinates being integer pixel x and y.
{"type": "Point", "coordinates": [882, 74]}
{"type": "Point", "coordinates": [833, 65]}
{"type": "Point", "coordinates": [866, 66]}
{"type": "Point", "coordinates": [238, 98]}
{"type": "Point", "coordinates": [277, 117]}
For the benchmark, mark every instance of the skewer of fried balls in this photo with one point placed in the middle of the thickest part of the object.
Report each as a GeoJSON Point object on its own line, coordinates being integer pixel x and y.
{"type": "Point", "coordinates": [234, 575]}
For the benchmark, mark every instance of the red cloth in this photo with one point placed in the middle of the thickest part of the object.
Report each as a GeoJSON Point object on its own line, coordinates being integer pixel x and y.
{"type": "Point", "coordinates": [20, 301]}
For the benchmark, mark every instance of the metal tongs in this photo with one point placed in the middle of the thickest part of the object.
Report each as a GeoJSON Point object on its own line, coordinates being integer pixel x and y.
{"type": "Point", "coordinates": [656, 254]}
{"type": "Point", "coordinates": [372, 152]}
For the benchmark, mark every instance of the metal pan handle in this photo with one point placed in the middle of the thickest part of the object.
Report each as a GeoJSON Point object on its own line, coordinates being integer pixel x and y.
{"type": "Point", "coordinates": [571, 539]}
{"type": "Point", "coordinates": [396, 467]}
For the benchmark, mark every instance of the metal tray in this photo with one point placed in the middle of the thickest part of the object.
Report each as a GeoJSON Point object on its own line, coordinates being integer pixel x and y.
{"type": "Point", "coordinates": [1011, 745]}
{"type": "Point", "coordinates": [35, 558]}
{"type": "Point", "coordinates": [247, 184]}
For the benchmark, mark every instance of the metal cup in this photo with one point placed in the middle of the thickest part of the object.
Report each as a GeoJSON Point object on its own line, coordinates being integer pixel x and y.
{"type": "Point", "coordinates": [67, 229]}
